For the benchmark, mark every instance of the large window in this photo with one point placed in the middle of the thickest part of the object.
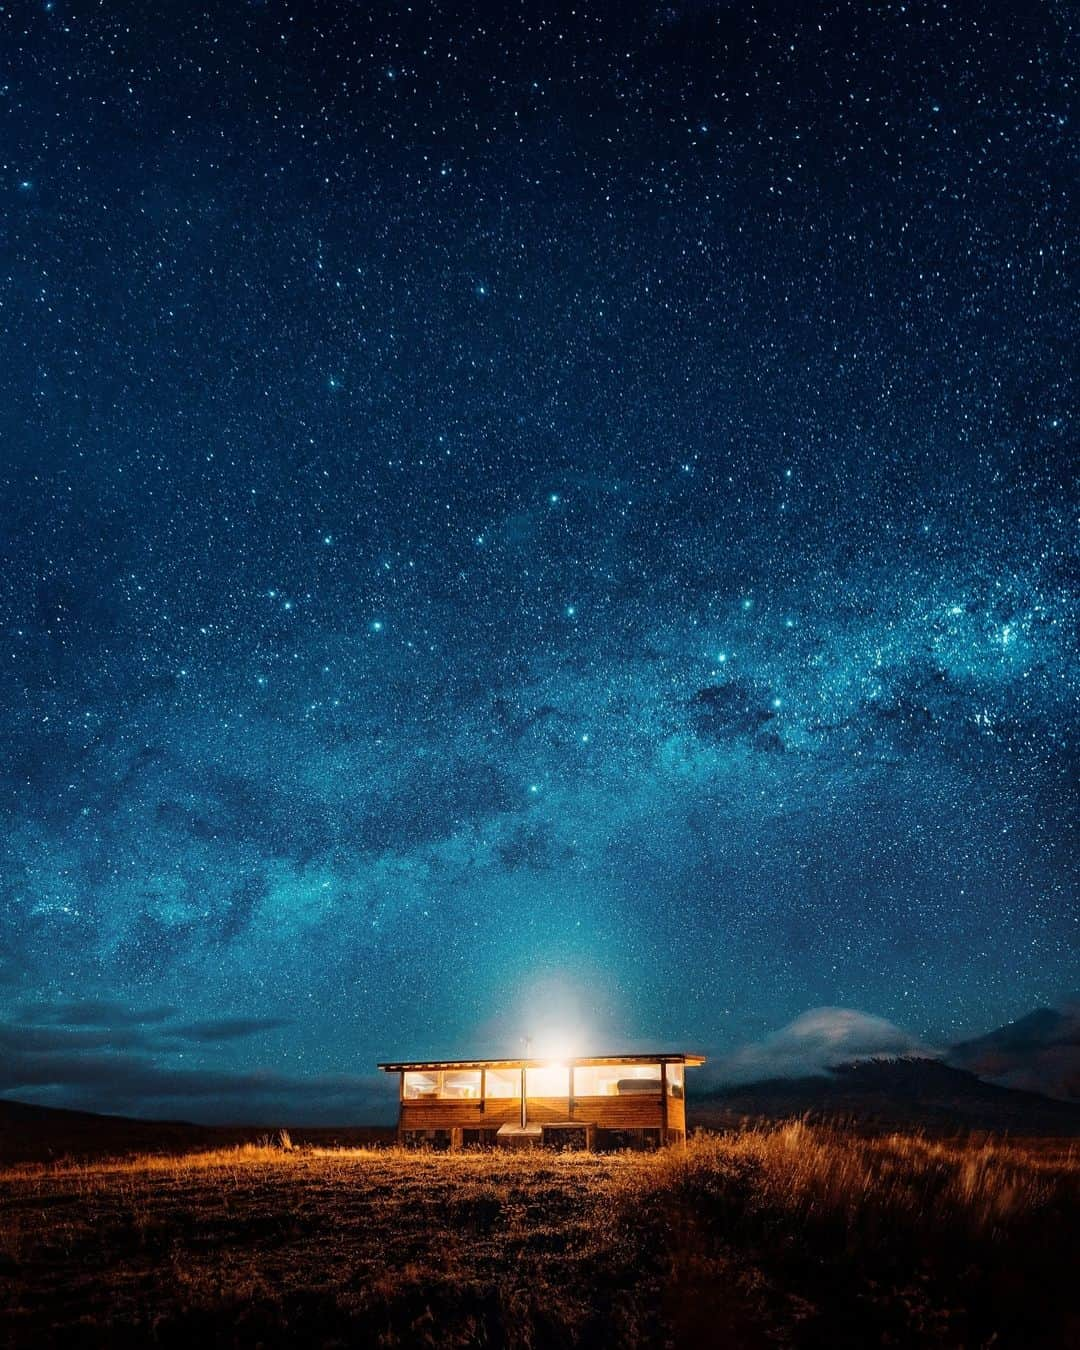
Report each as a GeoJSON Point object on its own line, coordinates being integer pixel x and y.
{"type": "Point", "coordinates": [421, 1085]}
{"type": "Point", "coordinates": [503, 1083]}
{"type": "Point", "coordinates": [616, 1080]}
{"type": "Point", "coordinates": [551, 1080]}
{"type": "Point", "coordinates": [596, 1080]}
{"type": "Point", "coordinates": [459, 1084]}
{"type": "Point", "coordinates": [675, 1080]}
{"type": "Point", "coordinates": [445, 1084]}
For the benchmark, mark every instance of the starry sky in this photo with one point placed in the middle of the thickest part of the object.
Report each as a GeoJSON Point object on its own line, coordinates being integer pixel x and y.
{"type": "Point", "coordinates": [527, 520]}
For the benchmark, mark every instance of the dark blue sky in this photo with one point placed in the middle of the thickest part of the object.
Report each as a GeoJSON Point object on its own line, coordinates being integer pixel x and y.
{"type": "Point", "coordinates": [527, 521]}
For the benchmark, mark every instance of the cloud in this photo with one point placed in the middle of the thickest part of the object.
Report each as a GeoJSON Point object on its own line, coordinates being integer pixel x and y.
{"type": "Point", "coordinates": [139, 1075]}
{"type": "Point", "coordinates": [131, 1083]}
{"type": "Point", "coordinates": [19, 1039]}
{"type": "Point", "coordinates": [813, 1043]}
{"type": "Point", "coordinates": [229, 1028]}
{"type": "Point", "coordinates": [90, 1025]}
{"type": "Point", "coordinates": [94, 1013]}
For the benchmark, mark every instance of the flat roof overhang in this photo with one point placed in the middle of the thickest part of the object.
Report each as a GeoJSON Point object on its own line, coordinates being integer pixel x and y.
{"type": "Point", "coordinates": [586, 1061]}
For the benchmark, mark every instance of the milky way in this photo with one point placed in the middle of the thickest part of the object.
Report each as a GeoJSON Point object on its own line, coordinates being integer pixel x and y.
{"type": "Point", "coordinates": [562, 519]}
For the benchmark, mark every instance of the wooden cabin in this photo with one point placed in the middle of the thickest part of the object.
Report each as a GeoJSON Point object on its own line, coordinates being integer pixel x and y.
{"type": "Point", "coordinates": [601, 1102]}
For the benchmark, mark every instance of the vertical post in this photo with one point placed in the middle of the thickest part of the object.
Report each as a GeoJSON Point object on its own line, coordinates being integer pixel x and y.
{"type": "Point", "coordinates": [401, 1102]}
{"type": "Point", "coordinates": [524, 1085]}
{"type": "Point", "coordinates": [663, 1102]}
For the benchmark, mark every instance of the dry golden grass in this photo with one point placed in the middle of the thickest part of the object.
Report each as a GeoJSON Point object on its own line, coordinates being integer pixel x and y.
{"type": "Point", "coordinates": [793, 1235]}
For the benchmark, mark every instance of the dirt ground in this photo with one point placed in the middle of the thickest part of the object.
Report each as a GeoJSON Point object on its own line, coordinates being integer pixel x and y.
{"type": "Point", "coordinates": [792, 1235]}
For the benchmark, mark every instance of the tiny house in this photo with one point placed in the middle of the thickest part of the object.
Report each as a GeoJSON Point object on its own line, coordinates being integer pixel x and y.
{"type": "Point", "coordinates": [600, 1102]}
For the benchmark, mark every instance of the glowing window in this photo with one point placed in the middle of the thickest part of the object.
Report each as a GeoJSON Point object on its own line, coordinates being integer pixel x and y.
{"type": "Point", "coordinates": [617, 1080]}
{"type": "Point", "coordinates": [596, 1080]}
{"type": "Point", "coordinates": [675, 1080]}
{"type": "Point", "coordinates": [503, 1083]}
{"type": "Point", "coordinates": [420, 1085]}
{"type": "Point", "coordinates": [459, 1084]}
{"type": "Point", "coordinates": [552, 1080]}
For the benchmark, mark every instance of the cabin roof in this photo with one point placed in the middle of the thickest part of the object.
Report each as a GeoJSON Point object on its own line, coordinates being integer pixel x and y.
{"type": "Point", "coordinates": [400, 1066]}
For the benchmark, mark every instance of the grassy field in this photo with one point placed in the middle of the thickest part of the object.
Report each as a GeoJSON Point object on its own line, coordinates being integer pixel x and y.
{"type": "Point", "coordinates": [791, 1235]}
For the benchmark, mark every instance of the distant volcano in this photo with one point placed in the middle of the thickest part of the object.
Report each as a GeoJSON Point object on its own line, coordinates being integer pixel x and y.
{"type": "Point", "coordinates": [834, 1062]}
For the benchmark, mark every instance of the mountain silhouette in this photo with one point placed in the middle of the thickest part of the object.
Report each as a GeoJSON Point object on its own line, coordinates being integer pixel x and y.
{"type": "Point", "coordinates": [896, 1093]}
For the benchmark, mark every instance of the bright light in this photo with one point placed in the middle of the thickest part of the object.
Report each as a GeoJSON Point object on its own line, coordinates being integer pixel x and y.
{"type": "Point", "coordinates": [556, 1048]}
{"type": "Point", "coordinates": [553, 1019]}
{"type": "Point", "coordinates": [551, 1080]}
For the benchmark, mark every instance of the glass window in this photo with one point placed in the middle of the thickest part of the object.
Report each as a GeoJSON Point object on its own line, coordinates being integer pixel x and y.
{"type": "Point", "coordinates": [454, 1084]}
{"type": "Point", "coordinates": [503, 1083]}
{"type": "Point", "coordinates": [596, 1080]}
{"type": "Point", "coordinates": [629, 1080]}
{"type": "Point", "coordinates": [420, 1085]}
{"type": "Point", "coordinates": [675, 1080]}
{"type": "Point", "coordinates": [458, 1084]}
{"type": "Point", "coordinates": [552, 1080]}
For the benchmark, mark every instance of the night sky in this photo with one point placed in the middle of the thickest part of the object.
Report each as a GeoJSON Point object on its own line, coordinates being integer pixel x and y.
{"type": "Point", "coordinates": [518, 520]}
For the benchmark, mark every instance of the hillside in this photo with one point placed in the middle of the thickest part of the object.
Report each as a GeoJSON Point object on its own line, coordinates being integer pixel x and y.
{"type": "Point", "coordinates": [1038, 1053]}
{"type": "Point", "coordinates": [903, 1093]}
{"type": "Point", "coordinates": [30, 1133]}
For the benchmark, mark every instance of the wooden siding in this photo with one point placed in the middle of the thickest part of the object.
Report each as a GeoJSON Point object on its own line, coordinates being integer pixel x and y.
{"type": "Point", "coordinates": [634, 1111]}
